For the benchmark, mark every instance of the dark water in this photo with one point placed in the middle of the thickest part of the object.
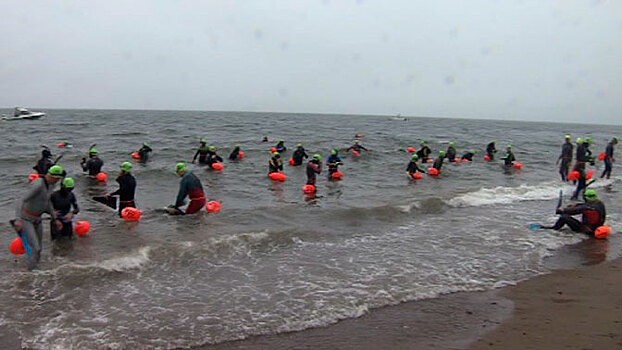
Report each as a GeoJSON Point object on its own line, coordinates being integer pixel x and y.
{"type": "Point", "coordinates": [274, 260]}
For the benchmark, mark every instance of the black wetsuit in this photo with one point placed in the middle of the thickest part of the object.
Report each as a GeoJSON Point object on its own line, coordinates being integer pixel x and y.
{"type": "Point", "coordinates": [593, 215]}
{"type": "Point", "coordinates": [608, 160]}
{"type": "Point", "coordinates": [424, 153]}
{"type": "Point", "coordinates": [313, 168]}
{"type": "Point", "coordinates": [43, 165]}
{"type": "Point", "coordinates": [63, 200]}
{"type": "Point", "coordinates": [234, 154]}
{"type": "Point", "coordinates": [275, 164]}
{"type": "Point", "coordinates": [126, 191]}
{"type": "Point", "coordinates": [298, 155]}
{"type": "Point", "coordinates": [566, 158]}
{"type": "Point", "coordinates": [451, 154]}
{"type": "Point", "coordinates": [491, 150]}
{"type": "Point", "coordinates": [413, 167]}
{"type": "Point", "coordinates": [581, 157]}
{"type": "Point", "coordinates": [212, 158]}
{"type": "Point", "coordinates": [509, 158]}
{"type": "Point", "coordinates": [438, 163]}
{"type": "Point", "coordinates": [581, 183]}
{"type": "Point", "coordinates": [93, 166]}
{"type": "Point", "coordinates": [202, 153]}
{"type": "Point", "coordinates": [356, 147]}
{"type": "Point", "coordinates": [468, 156]}
{"type": "Point", "coordinates": [280, 147]}
{"type": "Point", "coordinates": [143, 152]}
{"type": "Point", "coordinates": [333, 163]}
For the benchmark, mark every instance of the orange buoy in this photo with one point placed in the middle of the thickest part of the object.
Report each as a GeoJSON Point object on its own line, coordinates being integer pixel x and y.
{"type": "Point", "coordinates": [410, 150]}
{"type": "Point", "coordinates": [589, 174]}
{"type": "Point", "coordinates": [429, 160]}
{"type": "Point", "coordinates": [61, 144]}
{"type": "Point", "coordinates": [277, 176]}
{"type": "Point", "coordinates": [135, 155]}
{"type": "Point", "coordinates": [218, 166]}
{"type": "Point", "coordinates": [574, 175]}
{"type": "Point", "coordinates": [433, 172]}
{"type": "Point", "coordinates": [337, 175]}
{"type": "Point", "coordinates": [272, 149]}
{"type": "Point", "coordinates": [487, 158]}
{"type": "Point", "coordinates": [291, 162]}
{"type": "Point", "coordinates": [602, 156]}
{"type": "Point", "coordinates": [241, 155]}
{"type": "Point", "coordinates": [417, 176]}
{"type": "Point", "coordinates": [355, 152]}
{"type": "Point", "coordinates": [17, 246]}
{"type": "Point", "coordinates": [101, 177]}
{"type": "Point", "coordinates": [602, 232]}
{"type": "Point", "coordinates": [131, 214]}
{"type": "Point", "coordinates": [308, 189]}
{"type": "Point", "coordinates": [213, 207]}
{"type": "Point", "coordinates": [518, 165]}
{"type": "Point", "coordinates": [32, 177]}
{"type": "Point", "coordinates": [82, 228]}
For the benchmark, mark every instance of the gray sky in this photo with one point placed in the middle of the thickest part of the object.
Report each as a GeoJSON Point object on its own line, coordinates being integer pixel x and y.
{"type": "Point", "coordinates": [526, 60]}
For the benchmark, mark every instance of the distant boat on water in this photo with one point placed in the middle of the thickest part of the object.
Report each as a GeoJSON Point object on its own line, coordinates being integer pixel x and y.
{"type": "Point", "coordinates": [22, 113]}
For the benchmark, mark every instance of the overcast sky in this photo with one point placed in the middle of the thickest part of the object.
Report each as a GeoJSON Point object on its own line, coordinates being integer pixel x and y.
{"type": "Point", "coordinates": [525, 60]}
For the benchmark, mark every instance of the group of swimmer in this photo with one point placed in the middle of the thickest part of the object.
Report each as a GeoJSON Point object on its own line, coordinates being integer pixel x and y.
{"type": "Point", "coordinates": [62, 205]}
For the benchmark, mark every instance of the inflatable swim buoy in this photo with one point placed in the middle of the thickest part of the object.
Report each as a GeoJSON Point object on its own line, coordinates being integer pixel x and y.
{"type": "Point", "coordinates": [308, 189]}
{"type": "Point", "coordinates": [602, 156]}
{"type": "Point", "coordinates": [277, 176]}
{"type": "Point", "coordinates": [518, 165]}
{"type": "Point", "coordinates": [82, 228]}
{"type": "Point", "coordinates": [433, 172]}
{"type": "Point", "coordinates": [356, 153]}
{"type": "Point", "coordinates": [101, 177]}
{"type": "Point", "coordinates": [61, 144]}
{"type": "Point", "coordinates": [487, 158]}
{"type": "Point", "coordinates": [32, 177]}
{"type": "Point", "coordinates": [602, 232]}
{"type": "Point", "coordinates": [291, 162]}
{"type": "Point", "coordinates": [589, 174]}
{"type": "Point", "coordinates": [574, 175]}
{"type": "Point", "coordinates": [336, 175]}
{"type": "Point", "coordinates": [272, 149]}
{"type": "Point", "coordinates": [213, 207]}
{"type": "Point", "coordinates": [135, 155]}
{"type": "Point", "coordinates": [17, 246]}
{"type": "Point", "coordinates": [241, 155]}
{"type": "Point", "coordinates": [218, 166]}
{"type": "Point", "coordinates": [411, 150]}
{"type": "Point", "coordinates": [429, 160]}
{"type": "Point", "coordinates": [417, 176]}
{"type": "Point", "coordinates": [130, 214]}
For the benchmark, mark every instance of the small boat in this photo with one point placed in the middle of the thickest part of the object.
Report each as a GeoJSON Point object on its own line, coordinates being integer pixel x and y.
{"type": "Point", "coordinates": [22, 113]}
{"type": "Point", "coordinates": [399, 117]}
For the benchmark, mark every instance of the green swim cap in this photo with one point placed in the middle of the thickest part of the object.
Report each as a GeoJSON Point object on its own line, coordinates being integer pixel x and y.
{"type": "Point", "coordinates": [356, 141]}
{"type": "Point", "coordinates": [67, 183]}
{"type": "Point", "coordinates": [590, 194]}
{"type": "Point", "coordinates": [509, 147]}
{"type": "Point", "coordinates": [317, 157]}
{"type": "Point", "coordinates": [615, 139]}
{"type": "Point", "coordinates": [274, 154]}
{"type": "Point", "coordinates": [568, 137]}
{"type": "Point", "coordinates": [579, 140]}
{"type": "Point", "coordinates": [299, 145]}
{"type": "Point", "coordinates": [333, 152]}
{"type": "Point", "coordinates": [203, 140]}
{"type": "Point", "coordinates": [423, 143]}
{"type": "Point", "coordinates": [441, 153]}
{"type": "Point", "coordinates": [211, 148]}
{"type": "Point", "coordinates": [146, 144]}
{"type": "Point", "coordinates": [180, 167]}
{"type": "Point", "coordinates": [127, 167]}
{"type": "Point", "coordinates": [472, 151]}
{"type": "Point", "coordinates": [93, 151]}
{"type": "Point", "coordinates": [237, 146]}
{"type": "Point", "coordinates": [588, 140]}
{"type": "Point", "coordinates": [56, 171]}
{"type": "Point", "coordinates": [415, 157]}
{"type": "Point", "coordinates": [280, 140]}
{"type": "Point", "coordinates": [452, 144]}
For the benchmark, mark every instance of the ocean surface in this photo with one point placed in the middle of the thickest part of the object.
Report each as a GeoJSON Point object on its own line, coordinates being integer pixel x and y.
{"type": "Point", "coordinates": [274, 260]}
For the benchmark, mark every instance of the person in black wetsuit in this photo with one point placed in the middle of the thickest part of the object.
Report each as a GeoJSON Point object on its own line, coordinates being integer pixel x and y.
{"type": "Point", "coordinates": [424, 152]}
{"type": "Point", "coordinates": [127, 187]}
{"type": "Point", "coordinates": [413, 167]}
{"type": "Point", "coordinates": [275, 164]}
{"type": "Point", "coordinates": [45, 163]}
{"type": "Point", "coordinates": [94, 164]}
{"type": "Point", "coordinates": [580, 156]}
{"type": "Point", "coordinates": [609, 157]}
{"type": "Point", "coordinates": [235, 153]}
{"type": "Point", "coordinates": [212, 157]}
{"type": "Point", "coordinates": [588, 151]}
{"type": "Point", "coordinates": [202, 152]}
{"type": "Point", "coordinates": [593, 215]}
{"type": "Point", "coordinates": [280, 146]}
{"type": "Point", "coordinates": [566, 158]}
{"type": "Point", "coordinates": [438, 162]}
{"type": "Point", "coordinates": [581, 183]}
{"type": "Point", "coordinates": [491, 150]}
{"type": "Point", "coordinates": [468, 155]}
{"type": "Point", "coordinates": [314, 167]}
{"type": "Point", "coordinates": [62, 201]}
{"type": "Point", "coordinates": [144, 151]}
{"type": "Point", "coordinates": [333, 162]}
{"type": "Point", "coordinates": [356, 147]}
{"type": "Point", "coordinates": [299, 154]}
{"type": "Point", "coordinates": [451, 152]}
{"type": "Point", "coordinates": [509, 157]}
